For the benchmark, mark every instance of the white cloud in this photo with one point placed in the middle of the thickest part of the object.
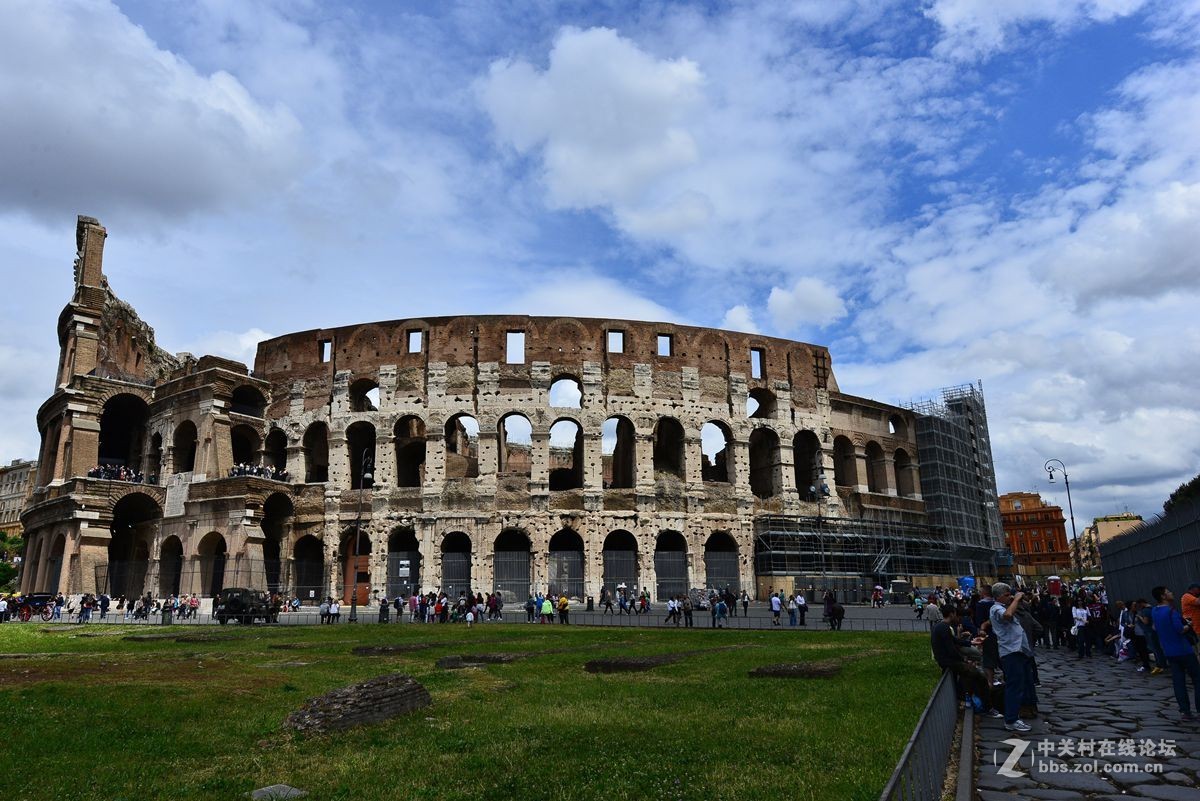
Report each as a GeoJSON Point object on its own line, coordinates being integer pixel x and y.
{"type": "Point", "coordinates": [810, 303]}
{"type": "Point", "coordinates": [587, 295]}
{"type": "Point", "coordinates": [240, 346]}
{"type": "Point", "coordinates": [100, 119]}
{"type": "Point", "coordinates": [608, 117]}
{"type": "Point", "coordinates": [975, 28]}
{"type": "Point", "coordinates": [740, 318]}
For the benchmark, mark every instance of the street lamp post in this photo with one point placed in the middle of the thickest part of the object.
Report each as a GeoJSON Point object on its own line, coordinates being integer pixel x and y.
{"type": "Point", "coordinates": [1051, 466]}
{"type": "Point", "coordinates": [821, 491]}
{"type": "Point", "coordinates": [364, 475]}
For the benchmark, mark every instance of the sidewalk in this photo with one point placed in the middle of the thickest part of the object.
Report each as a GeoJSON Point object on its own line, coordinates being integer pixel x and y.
{"type": "Point", "coordinates": [1104, 732]}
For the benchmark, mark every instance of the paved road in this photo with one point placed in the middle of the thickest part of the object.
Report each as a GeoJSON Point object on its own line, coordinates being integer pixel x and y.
{"type": "Point", "coordinates": [1126, 723]}
{"type": "Point", "coordinates": [858, 618]}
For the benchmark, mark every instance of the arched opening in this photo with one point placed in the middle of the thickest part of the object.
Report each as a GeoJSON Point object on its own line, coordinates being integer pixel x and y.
{"type": "Point", "coordinates": [897, 427]}
{"type": "Point", "coordinates": [462, 447]}
{"type": "Point", "coordinates": [275, 450]}
{"type": "Point", "coordinates": [316, 454]}
{"type": "Point", "coordinates": [135, 519]}
{"type": "Point", "coordinates": [410, 451]}
{"type": "Point", "coordinates": [845, 463]}
{"type": "Point", "coordinates": [245, 443]}
{"type": "Point", "coordinates": [123, 431]}
{"type": "Point", "coordinates": [354, 554]}
{"type": "Point", "coordinates": [511, 562]}
{"type": "Point", "coordinates": [48, 463]}
{"type": "Point", "coordinates": [761, 404]}
{"type": "Point", "coordinates": [721, 563]}
{"type": "Point", "coordinates": [360, 448]}
{"type": "Point", "coordinates": [364, 396]}
{"type": "Point", "coordinates": [620, 562]}
{"type": "Point", "coordinates": [566, 564]}
{"type": "Point", "coordinates": [566, 393]}
{"type": "Point", "coordinates": [905, 479]}
{"type": "Point", "coordinates": [183, 447]}
{"type": "Point", "coordinates": [276, 529]}
{"type": "Point", "coordinates": [765, 470]}
{"type": "Point", "coordinates": [456, 562]}
{"type": "Point", "coordinates": [668, 447]}
{"type": "Point", "coordinates": [404, 564]}
{"type": "Point", "coordinates": [170, 567]}
{"type": "Point", "coordinates": [806, 454]}
{"type": "Point", "coordinates": [308, 566]}
{"type": "Point", "coordinates": [154, 468]}
{"type": "Point", "coordinates": [516, 445]}
{"type": "Point", "coordinates": [249, 401]}
{"type": "Point", "coordinates": [54, 564]}
{"type": "Point", "coordinates": [617, 453]}
{"type": "Point", "coordinates": [716, 446]}
{"type": "Point", "coordinates": [876, 468]}
{"type": "Point", "coordinates": [670, 564]}
{"type": "Point", "coordinates": [211, 555]}
{"type": "Point", "coordinates": [566, 456]}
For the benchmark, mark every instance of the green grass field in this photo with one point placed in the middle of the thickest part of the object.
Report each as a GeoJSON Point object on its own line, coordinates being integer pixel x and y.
{"type": "Point", "coordinates": [90, 715]}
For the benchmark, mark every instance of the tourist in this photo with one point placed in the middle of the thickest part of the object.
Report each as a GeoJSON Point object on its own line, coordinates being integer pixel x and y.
{"type": "Point", "coordinates": [104, 603]}
{"type": "Point", "coordinates": [837, 613]}
{"type": "Point", "coordinates": [1015, 655]}
{"type": "Point", "coordinates": [745, 604]}
{"type": "Point", "coordinates": [919, 605]}
{"type": "Point", "coordinates": [1189, 607]}
{"type": "Point", "coordinates": [671, 611]}
{"type": "Point", "coordinates": [801, 607]}
{"type": "Point", "coordinates": [687, 611]}
{"type": "Point", "coordinates": [1080, 628]}
{"type": "Point", "coordinates": [335, 610]}
{"type": "Point", "coordinates": [776, 608]}
{"type": "Point", "coordinates": [470, 617]}
{"type": "Point", "coordinates": [564, 609]}
{"type": "Point", "coordinates": [606, 601]}
{"type": "Point", "coordinates": [1176, 638]}
{"type": "Point", "coordinates": [722, 609]}
{"type": "Point", "coordinates": [948, 643]}
{"type": "Point", "coordinates": [827, 601]}
{"type": "Point", "coordinates": [792, 611]}
{"type": "Point", "coordinates": [323, 610]}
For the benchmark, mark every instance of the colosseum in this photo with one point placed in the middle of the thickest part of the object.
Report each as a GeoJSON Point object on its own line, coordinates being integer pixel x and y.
{"type": "Point", "coordinates": [505, 453]}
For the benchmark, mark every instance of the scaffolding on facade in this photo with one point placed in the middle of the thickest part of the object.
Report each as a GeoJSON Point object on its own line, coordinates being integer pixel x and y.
{"type": "Point", "coordinates": [958, 478]}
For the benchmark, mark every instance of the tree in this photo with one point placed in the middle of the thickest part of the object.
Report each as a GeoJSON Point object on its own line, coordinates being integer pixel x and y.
{"type": "Point", "coordinates": [1188, 493]}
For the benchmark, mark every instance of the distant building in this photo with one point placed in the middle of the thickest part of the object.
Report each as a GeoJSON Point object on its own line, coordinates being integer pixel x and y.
{"type": "Point", "coordinates": [16, 485]}
{"type": "Point", "coordinates": [1102, 530]}
{"type": "Point", "coordinates": [1036, 533]}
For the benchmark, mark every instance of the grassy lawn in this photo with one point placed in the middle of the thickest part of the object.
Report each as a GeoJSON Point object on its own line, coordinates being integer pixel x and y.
{"type": "Point", "coordinates": [90, 715]}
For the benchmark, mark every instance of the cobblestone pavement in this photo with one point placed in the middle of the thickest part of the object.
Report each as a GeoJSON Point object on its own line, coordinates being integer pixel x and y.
{"type": "Point", "coordinates": [1104, 731]}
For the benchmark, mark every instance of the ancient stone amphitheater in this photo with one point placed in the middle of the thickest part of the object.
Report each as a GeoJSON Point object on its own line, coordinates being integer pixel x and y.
{"type": "Point", "coordinates": [485, 452]}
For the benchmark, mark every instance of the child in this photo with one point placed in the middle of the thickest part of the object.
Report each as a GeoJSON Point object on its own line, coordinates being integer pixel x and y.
{"type": "Point", "coordinates": [470, 617]}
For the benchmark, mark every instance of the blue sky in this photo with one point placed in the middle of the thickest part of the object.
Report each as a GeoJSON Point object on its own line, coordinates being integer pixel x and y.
{"type": "Point", "coordinates": [941, 192]}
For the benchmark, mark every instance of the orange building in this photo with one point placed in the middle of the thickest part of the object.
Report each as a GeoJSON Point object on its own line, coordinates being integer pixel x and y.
{"type": "Point", "coordinates": [1036, 533]}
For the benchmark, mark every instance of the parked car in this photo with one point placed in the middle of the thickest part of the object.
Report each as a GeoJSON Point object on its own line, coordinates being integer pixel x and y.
{"type": "Point", "coordinates": [241, 604]}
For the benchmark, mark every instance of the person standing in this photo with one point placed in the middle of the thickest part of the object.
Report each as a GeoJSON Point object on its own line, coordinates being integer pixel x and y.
{"type": "Point", "coordinates": [1083, 637]}
{"type": "Point", "coordinates": [1175, 637]}
{"type": "Point", "coordinates": [564, 609]}
{"type": "Point", "coordinates": [776, 608]}
{"type": "Point", "coordinates": [687, 612]}
{"type": "Point", "coordinates": [792, 611]}
{"type": "Point", "coordinates": [745, 604]}
{"type": "Point", "coordinates": [104, 603]}
{"type": "Point", "coordinates": [1015, 653]}
{"type": "Point", "coordinates": [801, 607]}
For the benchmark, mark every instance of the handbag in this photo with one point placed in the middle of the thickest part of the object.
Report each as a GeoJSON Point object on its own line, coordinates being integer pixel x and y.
{"type": "Point", "coordinates": [1075, 630]}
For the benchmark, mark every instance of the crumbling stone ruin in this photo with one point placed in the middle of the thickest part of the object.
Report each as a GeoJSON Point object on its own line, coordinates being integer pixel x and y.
{"type": "Point", "coordinates": [504, 453]}
{"type": "Point", "coordinates": [372, 701]}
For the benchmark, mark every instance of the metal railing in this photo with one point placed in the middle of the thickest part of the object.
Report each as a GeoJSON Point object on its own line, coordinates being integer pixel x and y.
{"type": "Point", "coordinates": [921, 772]}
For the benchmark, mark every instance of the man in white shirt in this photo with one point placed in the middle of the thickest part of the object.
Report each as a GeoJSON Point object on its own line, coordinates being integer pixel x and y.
{"type": "Point", "coordinates": [801, 607]}
{"type": "Point", "coordinates": [776, 607]}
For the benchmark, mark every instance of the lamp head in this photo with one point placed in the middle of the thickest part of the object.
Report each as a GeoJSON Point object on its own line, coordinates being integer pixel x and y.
{"type": "Point", "coordinates": [367, 477]}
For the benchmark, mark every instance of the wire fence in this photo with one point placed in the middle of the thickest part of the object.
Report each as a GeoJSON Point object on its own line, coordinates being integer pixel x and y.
{"type": "Point", "coordinates": [921, 772]}
{"type": "Point", "coordinates": [370, 613]}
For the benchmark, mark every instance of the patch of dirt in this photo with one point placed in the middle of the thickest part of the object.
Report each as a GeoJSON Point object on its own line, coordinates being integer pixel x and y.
{"type": "Point", "coordinates": [289, 646]}
{"type": "Point", "coordinates": [371, 701]}
{"type": "Point", "coordinates": [822, 669]}
{"type": "Point", "coordinates": [113, 671]}
{"type": "Point", "coordinates": [388, 650]}
{"type": "Point", "coordinates": [631, 664]}
{"type": "Point", "coordinates": [477, 660]}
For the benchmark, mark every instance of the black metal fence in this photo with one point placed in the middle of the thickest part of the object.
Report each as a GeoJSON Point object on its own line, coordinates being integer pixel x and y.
{"type": "Point", "coordinates": [1163, 552]}
{"type": "Point", "coordinates": [921, 772]}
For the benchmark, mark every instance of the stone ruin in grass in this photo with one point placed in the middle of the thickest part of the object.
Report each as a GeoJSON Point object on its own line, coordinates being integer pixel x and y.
{"type": "Point", "coordinates": [372, 701]}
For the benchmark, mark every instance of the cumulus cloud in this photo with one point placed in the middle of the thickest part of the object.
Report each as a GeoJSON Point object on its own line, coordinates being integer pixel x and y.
{"type": "Point", "coordinates": [740, 318]}
{"type": "Point", "coordinates": [810, 303]}
{"type": "Point", "coordinates": [110, 122]}
{"type": "Point", "coordinates": [609, 117]}
{"type": "Point", "coordinates": [237, 345]}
